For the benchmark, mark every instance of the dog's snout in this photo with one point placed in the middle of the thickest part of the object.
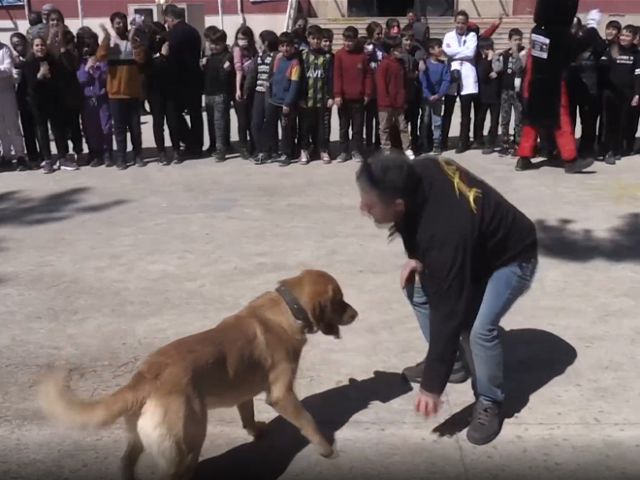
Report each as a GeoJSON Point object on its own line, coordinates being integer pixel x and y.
{"type": "Point", "coordinates": [350, 315]}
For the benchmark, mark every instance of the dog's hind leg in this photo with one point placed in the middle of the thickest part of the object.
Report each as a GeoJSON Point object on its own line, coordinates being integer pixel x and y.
{"type": "Point", "coordinates": [134, 448]}
{"type": "Point", "coordinates": [247, 416]}
{"type": "Point", "coordinates": [173, 428]}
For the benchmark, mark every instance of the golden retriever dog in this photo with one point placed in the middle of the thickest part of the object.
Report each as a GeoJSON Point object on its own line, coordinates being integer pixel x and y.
{"type": "Point", "coordinates": [257, 350]}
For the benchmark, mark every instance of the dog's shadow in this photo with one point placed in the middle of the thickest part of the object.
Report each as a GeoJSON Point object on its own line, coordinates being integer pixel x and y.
{"type": "Point", "coordinates": [532, 358]}
{"type": "Point", "coordinates": [269, 457]}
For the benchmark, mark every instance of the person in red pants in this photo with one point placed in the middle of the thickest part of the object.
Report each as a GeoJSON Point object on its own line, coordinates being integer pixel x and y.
{"type": "Point", "coordinates": [545, 99]}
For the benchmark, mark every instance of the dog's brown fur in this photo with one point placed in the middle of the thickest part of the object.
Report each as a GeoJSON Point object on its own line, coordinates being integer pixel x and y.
{"type": "Point", "coordinates": [165, 403]}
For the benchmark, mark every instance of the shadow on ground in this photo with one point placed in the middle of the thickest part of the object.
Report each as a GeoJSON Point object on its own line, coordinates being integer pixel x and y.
{"type": "Point", "coordinates": [621, 244]}
{"type": "Point", "coordinates": [17, 208]}
{"type": "Point", "coordinates": [532, 359]}
{"type": "Point", "coordinates": [269, 457]}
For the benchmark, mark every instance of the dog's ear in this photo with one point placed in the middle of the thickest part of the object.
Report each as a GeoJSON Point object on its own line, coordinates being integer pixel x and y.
{"type": "Point", "coordinates": [323, 313]}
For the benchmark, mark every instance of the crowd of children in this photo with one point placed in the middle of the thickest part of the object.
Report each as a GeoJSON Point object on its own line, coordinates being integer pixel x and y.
{"type": "Point", "coordinates": [390, 88]}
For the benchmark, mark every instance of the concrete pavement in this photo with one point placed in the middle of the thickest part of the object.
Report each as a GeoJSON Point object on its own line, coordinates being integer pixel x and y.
{"type": "Point", "coordinates": [100, 267]}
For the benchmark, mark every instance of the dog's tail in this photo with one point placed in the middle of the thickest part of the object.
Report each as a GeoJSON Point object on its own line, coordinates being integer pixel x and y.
{"type": "Point", "coordinates": [61, 404]}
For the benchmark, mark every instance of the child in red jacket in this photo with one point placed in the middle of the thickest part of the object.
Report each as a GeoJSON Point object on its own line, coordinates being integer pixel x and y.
{"type": "Point", "coordinates": [352, 88]}
{"type": "Point", "coordinates": [392, 96]}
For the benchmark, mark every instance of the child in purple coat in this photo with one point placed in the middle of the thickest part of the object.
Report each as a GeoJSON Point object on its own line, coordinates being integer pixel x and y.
{"type": "Point", "coordinates": [96, 116]}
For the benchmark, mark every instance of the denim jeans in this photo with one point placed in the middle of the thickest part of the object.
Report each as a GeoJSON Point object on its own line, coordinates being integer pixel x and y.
{"type": "Point", "coordinates": [218, 120]}
{"type": "Point", "coordinates": [505, 286]}
{"type": "Point", "coordinates": [432, 119]}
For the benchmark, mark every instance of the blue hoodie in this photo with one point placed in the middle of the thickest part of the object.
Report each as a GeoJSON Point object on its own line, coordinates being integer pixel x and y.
{"type": "Point", "coordinates": [285, 82]}
{"type": "Point", "coordinates": [435, 79]}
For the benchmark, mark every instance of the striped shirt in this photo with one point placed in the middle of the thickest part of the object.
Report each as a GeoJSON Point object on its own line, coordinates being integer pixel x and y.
{"type": "Point", "coordinates": [318, 69]}
{"type": "Point", "coordinates": [263, 67]}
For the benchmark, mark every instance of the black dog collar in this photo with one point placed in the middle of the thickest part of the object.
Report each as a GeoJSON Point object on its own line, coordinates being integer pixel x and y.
{"type": "Point", "coordinates": [297, 310]}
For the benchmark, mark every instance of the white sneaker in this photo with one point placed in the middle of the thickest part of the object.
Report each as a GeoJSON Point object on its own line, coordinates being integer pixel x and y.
{"type": "Point", "coordinates": [304, 158]}
{"type": "Point", "coordinates": [410, 155]}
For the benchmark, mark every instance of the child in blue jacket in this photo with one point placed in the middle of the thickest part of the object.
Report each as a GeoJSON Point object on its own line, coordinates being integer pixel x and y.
{"type": "Point", "coordinates": [435, 80]}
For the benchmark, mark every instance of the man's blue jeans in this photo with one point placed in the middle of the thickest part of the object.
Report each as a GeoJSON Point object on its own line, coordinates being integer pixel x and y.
{"type": "Point", "coordinates": [505, 286]}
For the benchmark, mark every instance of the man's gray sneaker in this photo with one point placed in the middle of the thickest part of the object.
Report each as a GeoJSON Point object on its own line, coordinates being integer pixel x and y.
{"type": "Point", "coordinates": [486, 423]}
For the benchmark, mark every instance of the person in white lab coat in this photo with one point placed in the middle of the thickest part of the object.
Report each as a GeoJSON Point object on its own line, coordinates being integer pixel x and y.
{"type": "Point", "coordinates": [10, 133]}
{"type": "Point", "coordinates": [460, 46]}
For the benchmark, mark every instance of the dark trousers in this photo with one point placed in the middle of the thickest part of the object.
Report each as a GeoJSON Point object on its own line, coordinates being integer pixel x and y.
{"type": "Point", "coordinates": [218, 120]}
{"type": "Point", "coordinates": [27, 122]}
{"type": "Point", "coordinates": [266, 140]}
{"type": "Point", "coordinates": [411, 116]}
{"type": "Point", "coordinates": [42, 119]}
{"type": "Point", "coordinates": [126, 117]}
{"type": "Point", "coordinates": [587, 105]}
{"type": "Point", "coordinates": [159, 105]}
{"type": "Point", "coordinates": [70, 124]}
{"type": "Point", "coordinates": [465, 121]}
{"type": "Point", "coordinates": [191, 102]}
{"type": "Point", "coordinates": [617, 113]}
{"type": "Point", "coordinates": [351, 115]}
{"type": "Point", "coordinates": [494, 110]}
{"type": "Point", "coordinates": [243, 110]}
{"type": "Point", "coordinates": [372, 124]}
{"type": "Point", "coordinates": [314, 129]}
{"type": "Point", "coordinates": [631, 130]}
{"type": "Point", "coordinates": [274, 114]}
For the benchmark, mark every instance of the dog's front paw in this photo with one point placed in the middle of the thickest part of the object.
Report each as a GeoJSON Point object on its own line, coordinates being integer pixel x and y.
{"type": "Point", "coordinates": [258, 431]}
{"type": "Point", "coordinates": [329, 452]}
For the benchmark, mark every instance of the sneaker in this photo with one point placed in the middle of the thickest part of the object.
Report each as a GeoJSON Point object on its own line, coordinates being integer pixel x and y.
{"type": "Point", "coordinates": [68, 163]}
{"type": "Point", "coordinates": [356, 157]}
{"type": "Point", "coordinates": [163, 159]}
{"type": "Point", "coordinates": [283, 160]}
{"type": "Point", "coordinates": [108, 160]}
{"type": "Point", "coordinates": [343, 157]}
{"type": "Point", "coordinates": [578, 165]}
{"type": "Point", "coordinates": [523, 164]}
{"type": "Point", "coordinates": [140, 162]}
{"type": "Point", "coordinates": [610, 159]}
{"type": "Point", "coordinates": [463, 147]}
{"type": "Point", "coordinates": [260, 159]}
{"type": "Point", "coordinates": [459, 374]}
{"type": "Point", "coordinates": [325, 157]}
{"type": "Point", "coordinates": [409, 154]}
{"type": "Point", "coordinates": [437, 151]}
{"type": "Point", "coordinates": [304, 157]}
{"type": "Point", "coordinates": [220, 156]}
{"type": "Point", "coordinates": [22, 165]}
{"type": "Point", "coordinates": [122, 164]}
{"type": "Point", "coordinates": [486, 423]}
{"type": "Point", "coordinates": [47, 167]}
{"type": "Point", "coordinates": [487, 150]}
{"type": "Point", "coordinates": [96, 162]}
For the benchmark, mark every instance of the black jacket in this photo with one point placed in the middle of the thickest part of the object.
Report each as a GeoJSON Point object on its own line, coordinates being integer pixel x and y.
{"type": "Point", "coordinates": [219, 74]}
{"type": "Point", "coordinates": [489, 87]}
{"type": "Point", "coordinates": [462, 230]}
{"type": "Point", "coordinates": [43, 95]}
{"type": "Point", "coordinates": [622, 70]}
{"type": "Point", "coordinates": [184, 58]}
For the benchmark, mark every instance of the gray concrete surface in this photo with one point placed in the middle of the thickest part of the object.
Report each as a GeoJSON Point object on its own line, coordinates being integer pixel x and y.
{"type": "Point", "coordinates": [100, 267]}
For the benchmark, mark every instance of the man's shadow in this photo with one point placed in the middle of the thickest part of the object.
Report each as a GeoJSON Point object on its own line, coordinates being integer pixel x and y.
{"type": "Point", "coordinates": [269, 457]}
{"type": "Point", "coordinates": [532, 358]}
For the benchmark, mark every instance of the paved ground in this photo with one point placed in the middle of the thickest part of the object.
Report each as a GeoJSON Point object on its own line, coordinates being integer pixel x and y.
{"type": "Point", "coordinates": [99, 267]}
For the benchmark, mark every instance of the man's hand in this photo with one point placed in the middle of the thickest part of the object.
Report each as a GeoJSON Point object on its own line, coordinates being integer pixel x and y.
{"type": "Point", "coordinates": [428, 404]}
{"type": "Point", "coordinates": [239, 95]}
{"type": "Point", "coordinates": [635, 101]}
{"type": "Point", "coordinates": [366, 100]}
{"type": "Point", "coordinates": [330, 103]}
{"type": "Point", "coordinates": [105, 32]}
{"type": "Point", "coordinates": [410, 268]}
{"type": "Point", "coordinates": [164, 51]}
{"type": "Point", "coordinates": [91, 63]}
{"type": "Point", "coordinates": [286, 110]}
{"type": "Point", "coordinates": [422, 66]}
{"type": "Point", "coordinates": [493, 75]}
{"type": "Point", "coordinates": [434, 98]}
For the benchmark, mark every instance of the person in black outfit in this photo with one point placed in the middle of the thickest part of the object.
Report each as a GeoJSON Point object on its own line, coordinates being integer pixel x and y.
{"type": "Point", "coordinates": [584, 97]}
{"type": "Point", "coordinates": [43, 96]}
{"type": "Point", "coordinates": [20, 46]}
{"type": "Point", "coordinates": [489, 98]}
{"type": "Point", "coordinates": [157, 88]}
{"type": "Point", "coordinates": [621, 64]}
{"type": "Point", "coordinates": [219, 87]}
{"type": "Point", "coordinates": [185, 81]}
{"type": "Point", "coordinates": [471, 255]}
{"type": "Point", "coordinates": [71, 97]}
